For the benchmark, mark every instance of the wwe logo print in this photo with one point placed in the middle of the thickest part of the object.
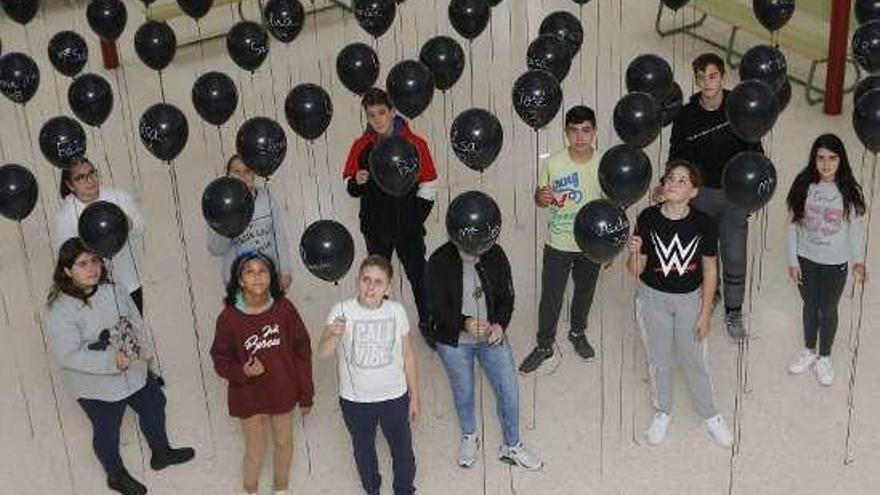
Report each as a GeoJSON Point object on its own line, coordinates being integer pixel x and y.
{"type": "Point", "coordinates": [674, 255]}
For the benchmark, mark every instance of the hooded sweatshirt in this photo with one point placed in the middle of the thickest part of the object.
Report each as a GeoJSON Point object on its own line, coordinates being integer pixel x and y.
{"type": "Point", "coordinates": [705, 138]}
{"type": "Point", "coordinates": [382, 215]}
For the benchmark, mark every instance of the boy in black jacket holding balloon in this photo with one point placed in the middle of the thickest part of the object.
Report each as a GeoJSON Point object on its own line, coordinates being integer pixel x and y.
{"type": "Point", "coordinates": [389, 222]}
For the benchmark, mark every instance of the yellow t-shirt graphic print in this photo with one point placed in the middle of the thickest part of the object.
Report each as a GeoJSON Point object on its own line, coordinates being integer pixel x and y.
{"type": "Point", "coordinates": [573, 185]}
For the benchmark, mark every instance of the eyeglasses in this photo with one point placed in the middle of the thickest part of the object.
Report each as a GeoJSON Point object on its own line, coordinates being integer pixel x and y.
{"type": "Point", "coordinates": [677, 179]}
{"type": "Point", "coordinates": [90, 175]}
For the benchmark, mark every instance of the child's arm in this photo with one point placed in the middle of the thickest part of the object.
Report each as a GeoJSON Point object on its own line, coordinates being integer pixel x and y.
{"type": "Point", "coordinates": [301, 346]}
{"type": "Point", "coordinates": [710, 283]}
{"type": "Point", "coordinates": [226, 363]}
{"type": "Point", "coordinates": [334, 331]}
{"type": "Point", "coordinates": [794, 268]}
{"type": "Point", "coordinates": [411, 369]}
{"type": "Point", "coordinates": [856, 241]}
{"type": "Point", "coordinates": [635, 263]}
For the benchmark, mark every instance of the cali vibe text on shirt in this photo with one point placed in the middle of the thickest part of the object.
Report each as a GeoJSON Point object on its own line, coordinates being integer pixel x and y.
{"type": "Point", "coordinates": [373, 342]}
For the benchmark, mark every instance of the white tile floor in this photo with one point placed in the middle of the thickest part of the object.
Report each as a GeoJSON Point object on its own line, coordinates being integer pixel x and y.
{"type": "Point", "coordinates": [586, 419]}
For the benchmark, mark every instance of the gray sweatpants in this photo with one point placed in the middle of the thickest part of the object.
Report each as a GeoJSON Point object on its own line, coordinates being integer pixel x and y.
{"type": "Point", "coordinates": [733, 236]}
{"type": "Point", "coordinates": [667, 322]}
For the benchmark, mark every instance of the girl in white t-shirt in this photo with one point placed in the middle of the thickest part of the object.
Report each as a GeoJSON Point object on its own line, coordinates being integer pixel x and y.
{"type": "Point", "coordinates": [378, 374]}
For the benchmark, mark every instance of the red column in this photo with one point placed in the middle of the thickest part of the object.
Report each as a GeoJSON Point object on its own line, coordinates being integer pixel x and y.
{"type": "Point", "coordinates": [838, 41]}
{"type": "Point", "coordinates": [109, 54]}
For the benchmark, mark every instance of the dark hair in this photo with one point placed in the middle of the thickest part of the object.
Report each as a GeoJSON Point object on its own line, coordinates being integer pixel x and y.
{"type": "Point", "coordinates": [706, 59]}
{"type": "Point", "coordinates": [693, 172]}
{"type": "Point", "coordinates": [63, 189]}
{"type": "Point", "coordinates": [853, 199]}
{"type": "Point", "coordinates": [379, 262]}
{"type": "Point", "coordinates": [61, 282]}
{"type": "Point", "coordinates": [232, 159]}
{"type": "Point", "coordinates": [579, 114]}
{"type": "Point", "coordinates": [233, 287]}
{"type": "Point", "coordinates": [375, 96]}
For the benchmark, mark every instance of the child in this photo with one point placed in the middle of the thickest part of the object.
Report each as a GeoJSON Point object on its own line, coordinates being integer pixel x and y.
{"type": "Point", "coordinates": [265, 232]}
{"type": "Point", "coordinates": [674, 252]}
{"type": "Point", "coordinates": [378, 377]}
{"type": "Point", "coordinates": [262, 348]}
{"type": "Point", "coordinates": [826, 233]}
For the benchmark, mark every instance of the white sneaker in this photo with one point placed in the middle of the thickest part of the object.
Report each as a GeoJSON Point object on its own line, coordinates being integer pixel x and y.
{"type": "Point", "coordinates": [659, 425]}
{"type": "Point", "coordinates": [719, 431]}
{"type": "Point", "coordinates": [802, 362]}
{"type": "Point", "coordinates": [518, 455]}
{"type": "Point", "coordinates": [824, 371]}
{"type": "Point", "coordinates": [467, 450]}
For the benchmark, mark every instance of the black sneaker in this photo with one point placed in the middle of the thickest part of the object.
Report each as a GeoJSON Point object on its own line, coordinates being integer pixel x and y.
{"type": "Point", "coordinates": [582, 345]}
{"type": "Point", "coordinates": [161, 460]}
{"type": "Point", "coordinates": [535, 358]}
{"type": "Point", "coordinates": [123, 483]}
{"type": "Point", "coordinates": [733, 319]}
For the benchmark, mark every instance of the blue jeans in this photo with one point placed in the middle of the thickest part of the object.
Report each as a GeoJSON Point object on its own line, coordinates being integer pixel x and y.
{"type": "Point", "coordinates": [497, 363]}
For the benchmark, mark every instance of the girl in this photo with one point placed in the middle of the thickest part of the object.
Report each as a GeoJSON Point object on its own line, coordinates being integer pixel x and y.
{"type": "Point", "coordinates": [471, 298]}
{"type": "Point", "coordinates": [378, 377]}
{"type": "Point", "coordinates": [265, 232]}
{"type": "Point", "coordinates": [81, 186]}
{"type": "Point", "coordinates": [826, 233]}
{"type": "Point", "coordinates": [674, 252]}
{"type": "Point", "coordinates": [262, 347]}
{"type": "Point", "coordinates": [97, 336]}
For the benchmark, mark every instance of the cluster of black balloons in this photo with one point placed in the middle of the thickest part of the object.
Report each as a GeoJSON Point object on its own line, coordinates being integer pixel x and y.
{"type": "Point", "coordinates": [866, 38]}
{"type": "Point", "coordinates": [638, 116]}
{"type": "Point", "coordinates": [866, 51]}
{"type": "Point", "coordinates": [753, 106]}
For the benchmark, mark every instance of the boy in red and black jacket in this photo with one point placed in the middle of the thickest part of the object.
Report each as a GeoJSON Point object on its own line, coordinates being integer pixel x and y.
{"type": "Point", "coordinates": [392, 223]}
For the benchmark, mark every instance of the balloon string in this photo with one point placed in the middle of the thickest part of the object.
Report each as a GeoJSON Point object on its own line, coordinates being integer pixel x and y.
{"type": "Point", "coordinates": [601, 382]}
{"type": "Point", "coordinates": [329, 175]}
{"type": "Point", "coordinates": [161, 86]}
{"type": "Point", "coordinates": [581, 54]}
{"type": "Point", "coordinates": [446, 155]}
{"type": "Point", "coordinates": [127, 102]}
{"type": "Point", "coordinates": [598, 53]}
{"type": "Point", "coordinates": [471, 67]}
{"type": "Point", "coordinates": [132, 159]}
{"type": "Point", "coordinates": [314, 162]}
{"type": "Point", "coordinates": [58, 106]}
{"type": "Point", "coordinates": [272, 81]}
{"type": "Point", "coordinates": [221, 172]}
{"type": "Point", "coordinates": [272, 224]}
{"type": "Point", "coordinates": [2, 150]}
{"type": "Point", "coordinates": [42, 197]}
{"type": "Point", "coordinates": [201, 45]}
{"type": "Point", "coordinates": [181, 233]}
{"type": "Point", "coordinates": [106, 155]}
{"type": "Point", "coordinates": [21, 388]}
{"type": "Point", "coordinates": [318, 59]}
{"type": "Point", "coordinates": [38, 320]}
{"type": "Point", "coordinates": [243, 98]}
{"type": "Point", "coordinates": [620, 51]}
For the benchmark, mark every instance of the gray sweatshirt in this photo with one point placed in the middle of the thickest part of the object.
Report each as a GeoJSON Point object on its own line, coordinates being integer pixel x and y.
{"type": "Point", "coordinates": [824, 235]}
{"type": "Point", "coordinates": [261, 234]}
{"type": "Point", "coordinates": [74, 325]}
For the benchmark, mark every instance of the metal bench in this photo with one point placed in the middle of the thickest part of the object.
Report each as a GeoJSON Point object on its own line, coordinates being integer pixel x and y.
{"type": "Point", "coordinates": [806, 34]}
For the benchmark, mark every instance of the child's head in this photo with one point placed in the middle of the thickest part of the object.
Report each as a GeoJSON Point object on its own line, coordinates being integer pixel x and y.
{"type": "Point", "coordinates": [254, 274]}
{"type": "Point", "coordinates": [828, 162]}
{"type": "Point", "coordinates": [78, 270]}
{"type": "Point", "coordinates": [374, 280]}
{"type": "Point", "coordinates": [379, 110]}
{"type": "Point", "coordinates": [81, 180]}
{"type": "Point", "coordinates": [580, 128]}
{"type": "Point", "coordinates": [237, 169]}
{"type": "Point", "coordinates": [828, 158]}
{"type": "Point", "coordinates": [681, 181]}
{"type": "Point", "coordinates": [709, 74]}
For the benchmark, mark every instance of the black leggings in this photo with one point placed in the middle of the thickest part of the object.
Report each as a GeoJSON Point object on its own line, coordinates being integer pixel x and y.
{"type": "Point", "coordinates": [821, 288]}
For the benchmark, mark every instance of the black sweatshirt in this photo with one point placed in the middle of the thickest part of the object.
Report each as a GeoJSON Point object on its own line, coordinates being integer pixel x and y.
{"type": "Point", "coordinates": [705, 138]}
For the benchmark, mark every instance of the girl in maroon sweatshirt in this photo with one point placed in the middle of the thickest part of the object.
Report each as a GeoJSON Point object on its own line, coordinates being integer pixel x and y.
{"type": "Point", "coordinates": [262, 347]}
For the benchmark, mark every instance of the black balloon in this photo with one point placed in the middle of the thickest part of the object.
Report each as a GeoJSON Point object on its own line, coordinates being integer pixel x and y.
{"type": "Point", "coordinates": [764, 63]}
{"type": "Point", "coordinates": [473, 222]}
{"type": "Point", "coordinates": [228, 206]}
{"type": "Point", "coordinates": [215, 97]}
{"type": "Point", "coordinates": [865, 85]}
{"type": "Point", "coordinates": [624, 174]}
{"type": "Point", "coordinates": [866, 120]}
{"type": "Point", "coordinates": [495, 3]}
{"type": "Point", "coordinates": [62, 141]}
{"type": "Point", "coordinates": [308, 109]}
{"type": "Point", "coordinates": [566, 26]}
{"type": "Point", "coordinates": [68, 53]}
{"type": "Point", "coordinates": [649, 74]}
{"type": "Point", "coordinates": [783, 95]}
{"type": "Point", "coordinates": [248, 45]}
{"type": "Point", "coordinates": [867, 10]}
{"type": "Point", "coordinates": [91, 98]}
{"type": "Point", "coordinates": [469, 17]}
{"type": "Point", "coordinates": [751, 108]}
{"type": "Point", "coordinates": [394, 165]}
{"type": "Point", "coordinates": [21, 11]}
{"type": "Point", "coordinates": [357, 67]}
{"type": "Point", "coordinates": [866, 46]}
{"type": "Point", "coordinates": [107, 18]}
{"type": "Point", "coordinates": [537, 98]}
{"type": "Point", "coordinates": [155, 44]}
{"type": "Point", "coordinates": [103, 227]}
{"type": "Point", "coordinates": [549, 52]}
{"type": "Point", "coordinates": [773, 14]}
{"type": "Point", "coordinates": [18, 192]}
{"type": "Point", "coordinates": [410, 87]}
{"type": "Point", "coordinates": [675, 4]}
{"type": "Point", "coordinates": [444, 57]}
{"type": "Point", "coordinates": [164, 131]}
{"type": "Point", "coordinates": [749, 180]}
{"type": "Point", "coordinates": [262, 144]}
{"type": "Point", "coordinates": [284, 19]}
{"type": "Point", "coordinates": [195, 8]}
{"type": "Point", "coordinates": [374, 16]}
{"type": "Point", "coordinates": [476, 137]}
{"type": "Point", "coordinates": [671, 104]}
{"type": "Point", "coordinates": [327, 250]}
{"type": "Point", "coordinates": [601, 230]}
{"type": "Point", "coordinates": [637, 119]}
{"type": "Point", "coordinates": [579, 2]}
{"type": "Point", "coordinates": [19, 77]}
